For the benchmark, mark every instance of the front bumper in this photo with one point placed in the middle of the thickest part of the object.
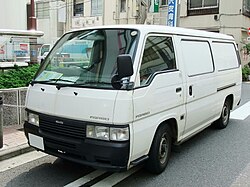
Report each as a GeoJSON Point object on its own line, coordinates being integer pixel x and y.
{"type": "Point", "coordinates": [108, 155]}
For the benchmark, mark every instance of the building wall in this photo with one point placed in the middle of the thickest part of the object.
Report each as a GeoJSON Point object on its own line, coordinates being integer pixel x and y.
{"type": "Point", "coordinates": [229, 20]}
{"type": "Point", "coordinates": [110, 9]}
{"type": "Point", "coordinates": [13, 14]}
{"type": "Point", "coordinates": [229, 17]}
{"type": "Point", "coordinates": [50, 26]}
{"type": "Point", "coordinates": [111, 14]}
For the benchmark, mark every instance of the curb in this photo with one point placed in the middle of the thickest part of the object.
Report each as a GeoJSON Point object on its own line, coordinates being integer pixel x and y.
{"type": "Point", "coordinates": [15, 151]}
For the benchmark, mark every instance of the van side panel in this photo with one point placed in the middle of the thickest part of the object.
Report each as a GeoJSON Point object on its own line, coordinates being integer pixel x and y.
{"type": "Point", "coordinates": [207, 90]}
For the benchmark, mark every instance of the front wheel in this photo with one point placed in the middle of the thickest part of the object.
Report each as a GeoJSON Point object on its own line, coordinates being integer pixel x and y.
{"type": "Point", "coordinates": [160, 150]}
{"type": "Point", "coordinates": [223, 121]}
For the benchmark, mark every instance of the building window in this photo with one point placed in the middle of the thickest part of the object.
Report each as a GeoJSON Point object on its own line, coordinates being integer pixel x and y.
{"type": "Point", "coordinates": [164, 2]}
{"type": "Point", "coordinates": [42, 10]}
{"type": "Point", "coordinates": [96, 7]}
{"type": "Point", "coordinates": [201, 7]}
{"type": "Point", "coordinates": [78, 8]}
{"type": "Point", "coordinates": [123, 6]}
{"type": "Point", "coordinates": [246, 8]}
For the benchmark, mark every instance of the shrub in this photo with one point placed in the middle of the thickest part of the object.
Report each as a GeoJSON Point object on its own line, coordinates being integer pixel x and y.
{"type": "Point", "coordinates": [17, 77]}
{"type": "Point", "coordinates": [245, 72]}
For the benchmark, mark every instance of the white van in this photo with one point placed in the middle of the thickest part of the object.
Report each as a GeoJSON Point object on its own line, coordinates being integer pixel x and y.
{"type": "Point", "coordinates": [137, 90]}
{"type": "Point", "coordinates": [43, 51]}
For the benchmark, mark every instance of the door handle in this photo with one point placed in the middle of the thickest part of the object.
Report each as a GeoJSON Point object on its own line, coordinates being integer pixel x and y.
{"type": "Point", "coordinates": [190, 90]}
{"type": "Point", "coordinates": [178, 90]}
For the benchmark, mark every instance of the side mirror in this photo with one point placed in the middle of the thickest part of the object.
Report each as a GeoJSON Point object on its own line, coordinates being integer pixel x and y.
{"type": "Point", "coordinates": [42, 61]}
{"type": "Point", "coordinates": [124, 69]}
{"type": "Point", "coordinates": [124, 66]}
{"type": "Point", "coordinates": [45, 54]}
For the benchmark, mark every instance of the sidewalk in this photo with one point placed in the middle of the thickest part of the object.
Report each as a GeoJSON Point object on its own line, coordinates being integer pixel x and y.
{"type": "Point", "coordinates": [14, 142]}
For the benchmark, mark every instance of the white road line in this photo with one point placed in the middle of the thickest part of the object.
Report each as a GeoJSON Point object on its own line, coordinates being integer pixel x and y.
{"type": "Point", "coordinates": [115, 178]}
{"type": "Point", "coordinates": [20, 160]}
{"type": "Point", "coordinates": [242, 112]}
{"type": "Point", "coordinates": [85, 179]}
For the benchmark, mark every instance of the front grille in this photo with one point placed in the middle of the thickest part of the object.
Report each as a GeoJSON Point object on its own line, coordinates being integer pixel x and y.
{"type": "Point", "coordinates": [67, 127]}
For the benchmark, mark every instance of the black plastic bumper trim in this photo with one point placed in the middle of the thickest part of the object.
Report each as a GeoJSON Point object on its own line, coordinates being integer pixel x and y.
{"type": "Point", "coordinates": [111, 156]}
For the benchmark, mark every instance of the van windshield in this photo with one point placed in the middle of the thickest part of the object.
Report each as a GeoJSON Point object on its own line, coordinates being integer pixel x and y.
{"type": "Point", "coordinates": [87, 58]}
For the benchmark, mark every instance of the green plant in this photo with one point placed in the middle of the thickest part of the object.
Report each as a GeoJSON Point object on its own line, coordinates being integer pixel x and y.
{"type": "Point", "coordinates": [245, 72]}
{"type": "Point", "coordinates": [247, 48]}
{"type": "Point", "coordinates": [17, 77]}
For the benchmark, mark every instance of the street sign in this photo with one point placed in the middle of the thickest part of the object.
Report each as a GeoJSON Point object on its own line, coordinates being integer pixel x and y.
{"type": "Point", "coordinates": [172, 13]}
{"type": "Point", "coordinates": [156, 5]}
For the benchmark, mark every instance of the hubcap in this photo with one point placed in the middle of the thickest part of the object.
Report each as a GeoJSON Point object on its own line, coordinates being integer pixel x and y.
{"type": "Point", "coordinates": [163, 149]}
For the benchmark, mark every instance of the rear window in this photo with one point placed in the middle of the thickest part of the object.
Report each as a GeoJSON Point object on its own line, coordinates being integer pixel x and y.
{"type": "Point", "coordinates": [225, 56]}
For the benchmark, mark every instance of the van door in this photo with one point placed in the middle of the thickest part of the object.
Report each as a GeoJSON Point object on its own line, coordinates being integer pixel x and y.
{"type": "Point", "coordinates": [159, 95]}
{"type": "Point", "coordinates": [201, 87]}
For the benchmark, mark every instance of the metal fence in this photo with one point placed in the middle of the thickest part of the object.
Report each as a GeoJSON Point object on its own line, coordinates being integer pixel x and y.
{"type": "Point", "coordinates": [13, 105]}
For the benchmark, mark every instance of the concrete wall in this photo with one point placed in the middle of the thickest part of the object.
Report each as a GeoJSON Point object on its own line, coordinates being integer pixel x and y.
{"type": "Point", "coordinates": [111, 12]}
{"type": "Point", "coordinates": [50, 26]}
{"type": "Point", "coordinates": [13, 14]}
{"type": "Point", "coordinates": [230, 20]}
{"type": "Point", "coordinates": [13, 105]}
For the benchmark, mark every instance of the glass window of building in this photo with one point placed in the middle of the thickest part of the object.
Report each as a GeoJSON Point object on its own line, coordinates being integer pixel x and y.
{"type": "Point", "coordinates": [42, 10]}
{"type": "Point", "coordinates": [96, 7]}
{"type": "Point", "coordinates": [202, 7]}
{"type": "Point", "coordinates": [78, 8]}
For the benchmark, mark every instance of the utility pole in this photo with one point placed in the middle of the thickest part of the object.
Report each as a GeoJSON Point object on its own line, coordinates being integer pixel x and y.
{"type": "Point", "coordinates": [33, 41]}
{"type": "Point", "coordinates": [32, 17]}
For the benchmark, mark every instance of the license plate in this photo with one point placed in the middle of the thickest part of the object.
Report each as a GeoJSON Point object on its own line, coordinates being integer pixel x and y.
{"type": "Point", "coordinates": [36, 141]}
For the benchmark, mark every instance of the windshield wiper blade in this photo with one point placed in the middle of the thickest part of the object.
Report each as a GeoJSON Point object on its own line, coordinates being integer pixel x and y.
{"type": "Point", "coordinates": [96, 82]}
{"type": "Point", "coordinates": [34, 82]}
{"type": "Point", "coordinates": [49, 80]}
{"type": "Point", "coordinates": [81, 84]}
{"type": "Point", "coordinates": [63, 80]}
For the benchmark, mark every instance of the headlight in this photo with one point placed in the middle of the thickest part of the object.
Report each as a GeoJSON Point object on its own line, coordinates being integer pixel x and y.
{"type": "Point", "coordinates": [98, 132]}
{"type": "Point", "coordinates": [33, 118]}
{"type": "Point", "coordinates": [107, 133]}
{"type": "Point", "coordinates": [119, 134]}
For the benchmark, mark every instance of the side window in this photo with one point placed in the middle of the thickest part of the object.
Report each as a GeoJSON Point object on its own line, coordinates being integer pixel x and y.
{"type": "Point", "coordinates": [158, 56]}
{"type": "Point", "coordinates": [197, 57]}
{"type": "Point", "coordinates": [225, 56]}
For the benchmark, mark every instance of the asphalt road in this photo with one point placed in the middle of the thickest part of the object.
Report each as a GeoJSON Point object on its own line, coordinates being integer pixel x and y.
{"type": "Point", "coordinates": [211, 158]}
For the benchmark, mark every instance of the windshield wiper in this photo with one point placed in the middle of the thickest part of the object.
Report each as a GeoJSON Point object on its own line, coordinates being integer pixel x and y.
{"type": "Point", "coordinates": [49, 80]}
{"type": "Point", "coordinates": [82, 84]}
{"type": "Point", "coordinates": [96, 82]}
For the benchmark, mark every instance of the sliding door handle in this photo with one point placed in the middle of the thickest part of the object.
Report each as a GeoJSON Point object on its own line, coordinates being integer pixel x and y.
{"type": "Point", "coordinates": [190, 90]}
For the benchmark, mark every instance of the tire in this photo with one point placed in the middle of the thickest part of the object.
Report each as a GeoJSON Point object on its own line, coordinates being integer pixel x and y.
{"type": "Point", "coordinates": [223, 121]}
{"type": "Point", "coordinates": [160, 151]}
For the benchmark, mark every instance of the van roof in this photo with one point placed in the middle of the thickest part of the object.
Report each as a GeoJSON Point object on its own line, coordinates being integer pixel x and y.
{"type": "Point", "coordinates": [164, 29]}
